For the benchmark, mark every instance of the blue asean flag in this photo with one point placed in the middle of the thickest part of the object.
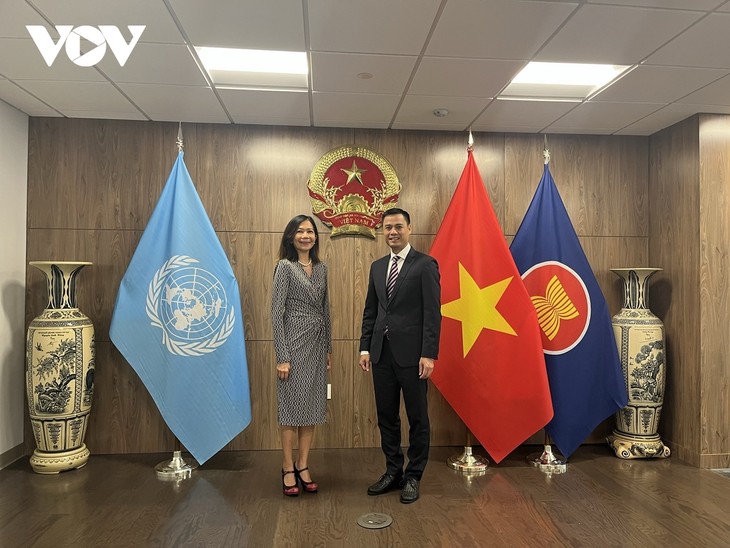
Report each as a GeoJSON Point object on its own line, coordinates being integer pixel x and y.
{"type": "Point", "coordinates": [584, 370]}
{"type": "Point", "coordinates": [177, 321]}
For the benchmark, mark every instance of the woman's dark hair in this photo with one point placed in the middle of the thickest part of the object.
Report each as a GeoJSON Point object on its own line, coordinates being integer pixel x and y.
{"type": "Point", "coordinates": [396, 211]}
{"type": "Point", "coordinates": [287, 249]}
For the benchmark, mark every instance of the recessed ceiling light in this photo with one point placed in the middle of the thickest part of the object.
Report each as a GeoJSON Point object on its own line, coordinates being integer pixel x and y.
{"type": "Point", "coordinates": [364, 76]}
{"type": "Point", "coordinates": [440, 112]}
{"type": "Point", "coordinates": [560, 81]}
{"type": "Point", "coordinates": [248, 67]}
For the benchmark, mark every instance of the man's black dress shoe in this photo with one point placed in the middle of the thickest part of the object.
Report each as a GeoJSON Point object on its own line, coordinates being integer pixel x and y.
{"type": "Point", "coordinates": [387, 482]}
{"type": "Point", "coordinates": [410, 491]}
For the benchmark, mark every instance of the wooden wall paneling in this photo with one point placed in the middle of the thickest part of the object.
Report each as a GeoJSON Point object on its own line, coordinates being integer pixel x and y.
{"type": "Point", "coordinates": [674, 293]}
{"type": "Point", "coordinates": [604, 253]}
{"type": "Point", "coordinates": [253, 257]}
{"type": "Point", "coordinates": [714, 236]}
{"type": "Point", "coordinates": [97, 285]}
{"type": "Point", "coordinates": [52, 172]}
{"type": "Point", "coordinates": [523, 167]}
{"type": "Point", "coordinates": [261, 170]}
{"type": "Point", "coordinates": [124, 417]}
{"type": "Point", "coordinates": [429, 164]}
{"type": "Point", "coordinates": [263, 431]}
{"type": "Point", "coordinates": [340, 408]}
{"type": "Point", "coordinates": [590, 173]}
{"type": "Point", "coordinates": [339, 254]}
{"type": "Point", "coordinates": [252, 180]}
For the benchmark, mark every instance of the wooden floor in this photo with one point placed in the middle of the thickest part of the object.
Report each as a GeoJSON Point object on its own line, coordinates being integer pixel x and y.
{"type": "Point", "coordinates": [235, 500]}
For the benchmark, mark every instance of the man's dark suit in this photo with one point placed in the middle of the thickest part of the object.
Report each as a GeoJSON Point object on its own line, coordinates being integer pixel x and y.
{"type": "Point", "coordinates": [413, 320]}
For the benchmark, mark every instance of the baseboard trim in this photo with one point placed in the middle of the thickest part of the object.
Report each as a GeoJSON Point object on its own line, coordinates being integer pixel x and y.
{"type": "Point", "coordinates": [11, 455]}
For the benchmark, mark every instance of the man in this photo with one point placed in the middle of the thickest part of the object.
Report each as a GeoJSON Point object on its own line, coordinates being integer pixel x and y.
{"type": "Point", "coordinates": [401, 325]}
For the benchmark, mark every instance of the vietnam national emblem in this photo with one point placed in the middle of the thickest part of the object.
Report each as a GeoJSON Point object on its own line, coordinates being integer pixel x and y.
{"type": "Point", "coordinates": [350, 187]}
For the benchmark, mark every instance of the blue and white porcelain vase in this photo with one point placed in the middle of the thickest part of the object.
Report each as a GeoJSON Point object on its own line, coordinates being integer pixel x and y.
{"type": "Point", "coordinates": [640, 340]}
{"type": "Point", "coordinates": [59, 373]}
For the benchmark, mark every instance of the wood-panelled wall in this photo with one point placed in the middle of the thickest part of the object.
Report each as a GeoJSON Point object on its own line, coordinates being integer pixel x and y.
{"type": "Point", "coordinates": [690, 238]}
{"type": "Point", "coordinates": [93, 185]}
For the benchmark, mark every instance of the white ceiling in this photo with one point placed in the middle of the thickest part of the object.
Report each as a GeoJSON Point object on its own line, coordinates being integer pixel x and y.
{"type": "Point", "coordinates": [423, 55]}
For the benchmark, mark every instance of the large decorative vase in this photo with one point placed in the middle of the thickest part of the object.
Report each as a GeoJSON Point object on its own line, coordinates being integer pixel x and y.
{"type": "Point", "coordinates": [59, 373]}
{"type": "Point", "coordinates": [640, 340]}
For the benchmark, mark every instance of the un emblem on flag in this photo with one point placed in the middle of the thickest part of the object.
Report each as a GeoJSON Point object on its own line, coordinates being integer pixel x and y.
{"type": "Point", "coordinates": [189, 305]}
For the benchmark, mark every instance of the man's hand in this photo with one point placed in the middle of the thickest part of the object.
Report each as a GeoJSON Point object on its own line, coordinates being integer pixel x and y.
{"type": "Point", "coordinates": [425, 367]}
{"type": "Point", "coordinates": [365, 362]}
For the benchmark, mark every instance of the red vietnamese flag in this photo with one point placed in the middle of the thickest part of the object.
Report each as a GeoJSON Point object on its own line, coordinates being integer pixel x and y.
{"type": "Point", "coordinates": [491, 367]}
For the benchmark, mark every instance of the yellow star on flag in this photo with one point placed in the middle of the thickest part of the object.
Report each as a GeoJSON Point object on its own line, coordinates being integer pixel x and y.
{"type": "Point", "coordinates": [476, 308]}
{"type": "Point", "coordinates": [354, 173]}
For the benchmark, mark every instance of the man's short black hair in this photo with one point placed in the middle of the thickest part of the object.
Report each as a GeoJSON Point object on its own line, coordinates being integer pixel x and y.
{"type": "Point", "coordinates": [396, 211]}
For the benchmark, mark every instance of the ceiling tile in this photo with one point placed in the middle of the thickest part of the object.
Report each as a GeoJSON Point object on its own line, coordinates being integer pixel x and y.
{"type": "Point", "coordinates": [614, 34]}
{"type": "Point", "coordinates": [362, 110]}
{"type": "Point", "coordinates": [717, 93]}
{"type": "Point", "coordinates": [419, 109]}
{"type": "Point", "coordinates": [256, 107]}
{"type": "Point", "coordinates": [338, 72]}
{"type": "Point", "coordinates": [502, 29]}
{"type": "Point", "coordinates": [375, 26]}
{"type": "Point", "coordinates": [604, 116]}
{"type": "Point", "coordinates": [658, 84]}
{"type": "Point", "coordinates": [520, 114]}
{"type": "Point", "coordinates": [69, 95]}
{"type": "Point", "coordinates": [144, 66]}
{"type": "Point", "coordinates": [272, 25]}
{"type": "Point", "coordinates": [665, 117]}
{"type": "Point", "coordinates": [463, 77]}
{"type": "Point", "coordinates": [704, 5]}
{"type": "Point", "coordinates": [15, 16]}
{"type": "Point", "coordinates": [21, 60]}
{"type": "Point", "coordinates": [24, 101]}
{"type": "Point", "coordinates": [704, 45]}
{"type": "Point", "coordinates": [176, 103]}
{"type": "Point", "coordinates": [160, 27]}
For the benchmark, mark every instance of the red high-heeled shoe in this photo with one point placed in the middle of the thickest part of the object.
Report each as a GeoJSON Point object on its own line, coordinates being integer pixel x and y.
{"type": "Point", "coordinates": [308, 486]}
{"type": "Point", "coordinates": [290, 490]}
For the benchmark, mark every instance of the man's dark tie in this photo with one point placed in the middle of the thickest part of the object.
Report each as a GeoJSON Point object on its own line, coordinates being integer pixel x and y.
{"type": "Point", "coordinates": [392, 276]}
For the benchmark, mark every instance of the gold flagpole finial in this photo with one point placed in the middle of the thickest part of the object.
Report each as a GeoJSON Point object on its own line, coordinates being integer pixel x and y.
{"type": "Point", "coordinates": [470, 141]}
{"type": "Point", "coordinates": [546, 151]}
{"type": "Point", "coordinates": [179, 137]}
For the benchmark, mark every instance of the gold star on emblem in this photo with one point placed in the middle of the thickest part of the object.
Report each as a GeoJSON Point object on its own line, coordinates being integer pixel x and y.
{"type": "Point", "coordinates": [476, 308]}
{"type": "Point", "coordinates": [354, 173]}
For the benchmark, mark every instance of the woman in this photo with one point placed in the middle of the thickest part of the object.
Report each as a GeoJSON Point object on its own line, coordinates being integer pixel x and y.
{"type": "Point", "coordinates": [303, 345]}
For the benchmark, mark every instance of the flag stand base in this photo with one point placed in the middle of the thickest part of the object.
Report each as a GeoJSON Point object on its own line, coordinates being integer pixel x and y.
{"type": "Point", "coordinates": [175, 469]}
{"type": "Point", "coordinates": [548, 462]}
{"type": "Point", "coordinates": [467, 463]}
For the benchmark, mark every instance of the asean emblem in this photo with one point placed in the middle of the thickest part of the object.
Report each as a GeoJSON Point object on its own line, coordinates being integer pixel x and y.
{"type": "Point", "coordinates": [350, 187]}
{"type": "Point", "coordinates": [562, 303]}
{"type": "Point", "coordinates": [190, 306]}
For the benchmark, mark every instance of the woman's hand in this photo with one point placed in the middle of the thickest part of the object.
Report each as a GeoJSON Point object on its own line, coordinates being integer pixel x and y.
{"type": "Point", "coordinates": [282, 370]}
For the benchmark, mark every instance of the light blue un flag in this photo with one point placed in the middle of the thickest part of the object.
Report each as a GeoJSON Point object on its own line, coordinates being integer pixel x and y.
{"type": "Point", "coordinates": [178, 322]}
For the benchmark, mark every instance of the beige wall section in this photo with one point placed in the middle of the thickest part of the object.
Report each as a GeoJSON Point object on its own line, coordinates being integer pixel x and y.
{"type": "Point", "coordinates": [93, 185]}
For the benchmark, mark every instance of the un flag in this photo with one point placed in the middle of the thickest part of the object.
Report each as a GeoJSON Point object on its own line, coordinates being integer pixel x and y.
{"type": "Point", "coordinates": [177, 320]}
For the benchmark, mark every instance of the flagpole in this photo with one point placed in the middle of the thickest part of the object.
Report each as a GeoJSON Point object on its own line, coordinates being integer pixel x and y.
{"type": "Point", "coordinates": [547, 461]}
{"type": "Point", "coordinates": [176, 468]}
{"type": "Point", "coordinates": [468, 463]}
